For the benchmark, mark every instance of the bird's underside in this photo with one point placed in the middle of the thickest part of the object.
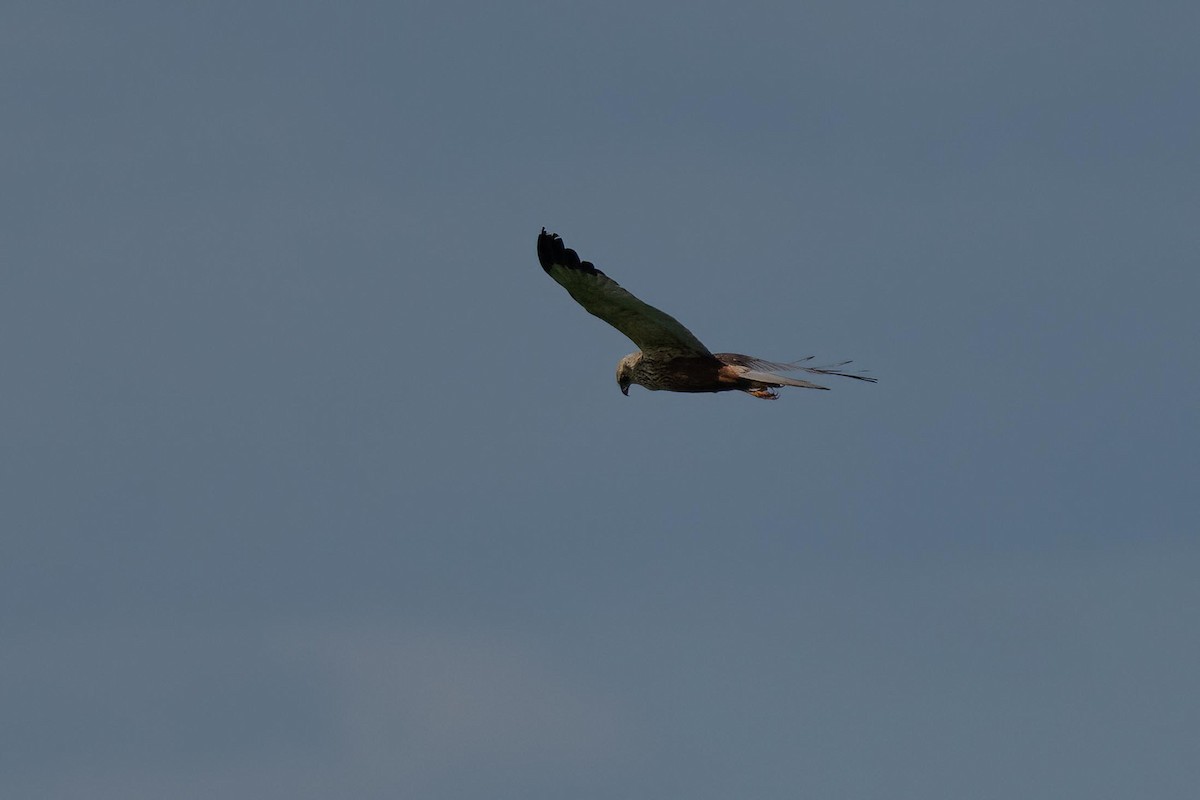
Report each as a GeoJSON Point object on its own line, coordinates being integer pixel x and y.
{"type": "Point", "coordinates": [671, 357]}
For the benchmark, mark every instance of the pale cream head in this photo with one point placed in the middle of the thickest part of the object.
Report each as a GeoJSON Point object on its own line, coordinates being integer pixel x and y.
{"type": "Point", "coordinates": [625, 368]}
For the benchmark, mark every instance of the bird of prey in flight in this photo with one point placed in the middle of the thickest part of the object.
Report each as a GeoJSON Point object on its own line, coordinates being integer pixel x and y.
{"type": "Point", "coordinates": [671, 358]}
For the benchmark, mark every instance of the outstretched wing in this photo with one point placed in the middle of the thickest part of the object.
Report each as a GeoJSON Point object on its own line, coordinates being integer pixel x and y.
{"type": "Point", "coordinates": [649, 328]}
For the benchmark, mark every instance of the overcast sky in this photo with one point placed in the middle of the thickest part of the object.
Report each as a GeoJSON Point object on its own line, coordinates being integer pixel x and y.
{"type": "Point", "coordinates": [314, 485]}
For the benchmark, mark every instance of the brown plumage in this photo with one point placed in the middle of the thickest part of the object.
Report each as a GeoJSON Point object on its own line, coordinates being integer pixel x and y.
{"type": "Point", "coordinates": [671, 357]}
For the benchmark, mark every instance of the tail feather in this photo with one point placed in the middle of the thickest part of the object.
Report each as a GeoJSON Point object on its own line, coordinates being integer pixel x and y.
{"type": "Point", "coordinates": [763, 366]}
{"type": "Point", "coordinates": [779, 380]}
{"type": "Point", "coordinates": [829, 370]}
{"type": "Point", "coordinates": [798, 366]}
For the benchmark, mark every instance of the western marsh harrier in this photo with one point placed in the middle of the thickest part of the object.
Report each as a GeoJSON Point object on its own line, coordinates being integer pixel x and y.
{"type": "Point", "coordinates": [671, 358]}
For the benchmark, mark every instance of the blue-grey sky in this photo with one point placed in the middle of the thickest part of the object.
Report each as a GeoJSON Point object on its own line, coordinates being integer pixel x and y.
{"type": "Point", "coordinates": [314, 485]}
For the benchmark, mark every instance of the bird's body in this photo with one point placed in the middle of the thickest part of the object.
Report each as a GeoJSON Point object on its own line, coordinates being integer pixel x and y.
{"type": "Point", "coordinates": [718, 372]}
{"type": "Point", "coordinates": [671, 357]}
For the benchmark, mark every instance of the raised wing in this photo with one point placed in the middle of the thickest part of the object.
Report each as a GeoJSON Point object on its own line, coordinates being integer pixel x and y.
{"type": "Point", "coordinates": [649, 328]}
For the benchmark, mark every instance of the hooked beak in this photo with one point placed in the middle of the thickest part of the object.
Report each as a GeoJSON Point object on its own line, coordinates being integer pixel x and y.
{"type": "Point", "coordinates": [625, 389]}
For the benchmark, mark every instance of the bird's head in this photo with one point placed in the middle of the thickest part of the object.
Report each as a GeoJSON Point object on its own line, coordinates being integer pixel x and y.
{"type": "Point", "coordinates": [625, 371]}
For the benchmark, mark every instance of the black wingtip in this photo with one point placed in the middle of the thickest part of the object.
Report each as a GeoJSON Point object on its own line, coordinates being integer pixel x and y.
{"type": "Point", "coordinates": [551, 251]}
